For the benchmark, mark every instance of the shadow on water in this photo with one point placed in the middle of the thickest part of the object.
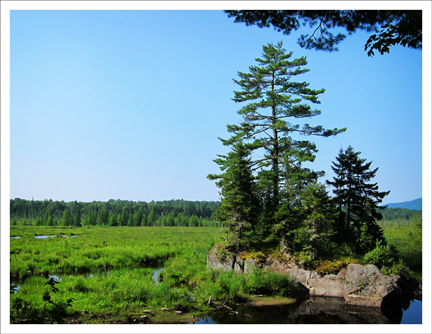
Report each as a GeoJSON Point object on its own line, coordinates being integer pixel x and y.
{"type": "Point", "coordinates": [316, 310]}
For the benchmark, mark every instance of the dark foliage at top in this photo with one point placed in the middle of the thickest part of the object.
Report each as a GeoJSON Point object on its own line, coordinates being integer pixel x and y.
{"type": "Point", "coordinates": [389, 27]}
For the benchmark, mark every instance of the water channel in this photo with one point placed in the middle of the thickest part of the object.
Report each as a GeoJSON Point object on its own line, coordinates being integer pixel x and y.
{"type": "Point", "coordinates": [44, 236]}
{"type": "Point", "coordinates": [315, 310]}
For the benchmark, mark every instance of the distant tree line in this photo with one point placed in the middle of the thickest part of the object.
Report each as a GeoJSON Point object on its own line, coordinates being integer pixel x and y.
{"type": "Point", "coordinates": [391, 214]}
{"type": "Point", "coordinates": [113, 213]}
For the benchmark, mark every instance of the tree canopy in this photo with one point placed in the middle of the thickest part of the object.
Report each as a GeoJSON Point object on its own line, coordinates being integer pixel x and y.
{"type": "Point", "coordinates": [388, 27]}
{"type": "Point", "coordinates": [275, 103]}
{"type": "Point", "coordinates": [264, 185]}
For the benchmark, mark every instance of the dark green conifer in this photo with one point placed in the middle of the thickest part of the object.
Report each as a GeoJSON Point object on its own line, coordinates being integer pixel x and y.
{"type": "Point", "coordinates": [357, 199]}
{"type": "Point", "coordinates": [240, 206]}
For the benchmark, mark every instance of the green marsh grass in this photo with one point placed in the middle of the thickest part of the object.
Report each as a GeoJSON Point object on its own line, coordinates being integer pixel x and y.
{"type": "Point", "coordinates": [402, 235]}
{"type": "Point", "coordinates": [99, 249]}
{"type": "Point", "coordinates": [121, 261]}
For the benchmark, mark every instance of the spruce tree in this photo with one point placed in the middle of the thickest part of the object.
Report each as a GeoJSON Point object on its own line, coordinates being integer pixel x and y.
{"type": "Point", "coordinates": [357, 199]}
{"type": "Point", "coordinates": [240, 205]}
{"type": "Point", "coordinates": [137, 218]}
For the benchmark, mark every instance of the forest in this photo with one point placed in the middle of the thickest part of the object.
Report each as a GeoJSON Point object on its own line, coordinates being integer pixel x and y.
{"type": "Point", "coordinates": [112, 213]}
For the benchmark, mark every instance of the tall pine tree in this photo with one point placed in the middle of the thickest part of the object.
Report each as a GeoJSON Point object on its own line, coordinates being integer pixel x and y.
{"type": "Point", "coordinates": [274, 104]}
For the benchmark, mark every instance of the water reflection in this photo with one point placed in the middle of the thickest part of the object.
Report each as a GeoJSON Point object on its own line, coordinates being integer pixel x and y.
{"type": "Point", "coordinates": [15, 286]}
{"type": "Point", "coordinates": [47, 236]}
{"type": "Point", "coordinates": [155, 275]}
{"type": "Point", "coordinates": [413, 315]}
{"type": "Point", "coordinates": [316, 310]}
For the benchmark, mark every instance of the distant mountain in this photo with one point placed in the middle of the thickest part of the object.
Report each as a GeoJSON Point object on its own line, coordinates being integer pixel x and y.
{"type": "Point", "coordinates": [411, 205]}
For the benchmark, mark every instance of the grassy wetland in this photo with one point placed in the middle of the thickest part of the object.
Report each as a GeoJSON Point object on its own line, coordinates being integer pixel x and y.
{"type": "Point", "coordinates": [158, 274]}
{"type": "Point", "coordinates": [106, 275]}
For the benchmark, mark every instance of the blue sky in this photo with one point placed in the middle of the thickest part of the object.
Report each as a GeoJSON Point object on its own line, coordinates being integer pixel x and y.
{"type": "Point", "coordinates": [130, 104]}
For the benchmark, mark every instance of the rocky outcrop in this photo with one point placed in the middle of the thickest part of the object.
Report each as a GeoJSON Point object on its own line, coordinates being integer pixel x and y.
{"type": "Point", "coordinates": [359, 285]}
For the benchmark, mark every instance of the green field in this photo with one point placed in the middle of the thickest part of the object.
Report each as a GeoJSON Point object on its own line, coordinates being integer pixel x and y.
{"type": "Point", "coordinates": [122, 261]}
{"type": "Point", "coordinates": [405, 235]}
{"type": "Point", "coordinates": [107, 274]}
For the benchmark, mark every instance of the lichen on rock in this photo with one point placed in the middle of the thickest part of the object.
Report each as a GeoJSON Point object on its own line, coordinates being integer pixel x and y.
{"type": "Point", "coordinates": [358, 284]}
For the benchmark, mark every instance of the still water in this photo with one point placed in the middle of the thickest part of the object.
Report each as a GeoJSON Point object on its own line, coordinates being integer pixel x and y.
{"type": "Point", "coordinates": [316, 310]}
{"type": "Point", "coordinates": [44, 236]}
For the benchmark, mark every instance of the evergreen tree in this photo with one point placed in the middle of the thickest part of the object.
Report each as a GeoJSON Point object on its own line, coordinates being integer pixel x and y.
{"type": "Point", "coordinates": [67, 219]}
{"type": "Point", "coordinates": [144, 220]}
{"type": "Point", "coordinates": [391, 27]}
{"type": "Point", "coordinates": [162, 220]}
{"type": "Point", "coordinates": [130, 221]}
{"type": "Point", "coordinates": [103, 216]}
{"type": "Point", "coordinates": [240, 205]}
{"type": "Point", "coordinates": [137, 217]}
{"type": "Point", "coordinates": [77, 220]}
{"type": "Point", "coordinates": [318, 218]}
{"type": "Point", "coordinates": [358, 200]}
{"type": "Point", "coordinates": [124, 217]}
{"type": "Point", "coordinates": [92, 218]}
{"type": "Point", "coordinates": [274, 102]}
{"type": "Point", "coordinates": [170, 220]}
{"type": "Point", "coordinates": [48, 219]}
{"type": "Point", "coordinates": [151, 218]}
{"type": "Point", "coordinates": [112, 220]}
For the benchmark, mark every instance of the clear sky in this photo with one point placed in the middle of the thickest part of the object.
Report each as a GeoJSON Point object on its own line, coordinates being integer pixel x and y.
{"type": "Point", "coordinates": [130, 104]}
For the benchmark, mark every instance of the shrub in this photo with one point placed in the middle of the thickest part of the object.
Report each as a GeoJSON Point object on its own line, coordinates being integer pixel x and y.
{"type": "Point", "coordinates": [381, 255]}
{"type": "Point", "coordinates": [270, 283]}
{"type": "Point", "coordinates": [229, 285]}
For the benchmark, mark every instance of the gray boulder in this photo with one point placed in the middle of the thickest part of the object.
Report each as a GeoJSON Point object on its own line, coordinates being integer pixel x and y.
{"type": "Point", "coordinates": [359, 285]}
